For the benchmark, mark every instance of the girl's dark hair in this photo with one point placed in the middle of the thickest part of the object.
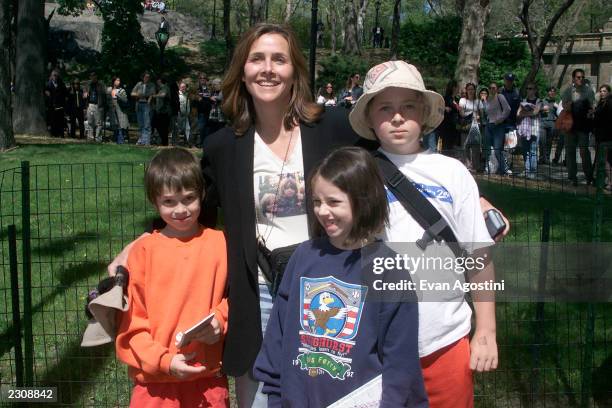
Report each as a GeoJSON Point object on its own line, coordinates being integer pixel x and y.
{"type": "Point", "coordinates": [327, 94]}
{"type": "Point", "coordinates": [238, 103]}
{"type": "Point", "coordinates": [354, 171]}
{"type": "Point", "coordinates": [450, 86]}
{"type": "Point", "coordinates": [175, 169]}
{"type": "Point", "coordinates": [605, 86]}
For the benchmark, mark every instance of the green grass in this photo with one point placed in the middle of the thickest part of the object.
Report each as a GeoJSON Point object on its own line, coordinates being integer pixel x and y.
{"type": "Point", "coordinates": [87, 201]}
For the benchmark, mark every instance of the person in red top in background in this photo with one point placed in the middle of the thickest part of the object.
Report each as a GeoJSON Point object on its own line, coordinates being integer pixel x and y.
{"type": "Point", "coordinates": [178, 275]}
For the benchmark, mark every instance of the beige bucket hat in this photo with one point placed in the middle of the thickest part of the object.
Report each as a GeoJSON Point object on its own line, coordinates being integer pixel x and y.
{"type": "Point", "coordinates": [398, 74]}
{"type": "Point", "coordinates": [102, 328]}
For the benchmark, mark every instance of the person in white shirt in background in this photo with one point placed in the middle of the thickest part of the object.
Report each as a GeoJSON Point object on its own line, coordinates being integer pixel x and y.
{"type": "Point", "coordinates": [182, 121]}
{"type": "Point", "coordinates": [497, 110]}
{"type": "Point", "coordinates": [327, 96]}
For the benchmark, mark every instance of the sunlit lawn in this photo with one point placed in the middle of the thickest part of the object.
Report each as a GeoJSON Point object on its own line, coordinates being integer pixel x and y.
{"type": "Point", "coordinates": [87, 201]}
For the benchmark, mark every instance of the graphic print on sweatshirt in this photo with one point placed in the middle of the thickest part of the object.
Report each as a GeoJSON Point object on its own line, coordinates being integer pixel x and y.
{"type": "Point", "coordinates": [331, 311]}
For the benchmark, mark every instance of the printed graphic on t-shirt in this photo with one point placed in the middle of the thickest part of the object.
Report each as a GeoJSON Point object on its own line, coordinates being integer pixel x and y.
{"type": "Point", "coordinates": [282, 195]}
{"type": "Point", "coordinates": [436, 192]}
{"type": "Point", "coordinates": [331, 311]}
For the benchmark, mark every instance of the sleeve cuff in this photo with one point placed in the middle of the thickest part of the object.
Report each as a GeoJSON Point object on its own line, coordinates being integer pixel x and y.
{"type": "Point", "coordinates": [221, 318]}
{"type": "Point", "coordinates": [164, 364]}
{"type": "Point", "coordinates": [274, 400]}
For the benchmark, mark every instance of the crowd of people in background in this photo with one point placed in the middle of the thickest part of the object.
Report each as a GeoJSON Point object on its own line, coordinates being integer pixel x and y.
{"type": "Point", "coordinates": [483, 125]}
{"type": "Point", "coordinates": [165, 110]}
{"type": "Point", "coordinates": [484, 129]}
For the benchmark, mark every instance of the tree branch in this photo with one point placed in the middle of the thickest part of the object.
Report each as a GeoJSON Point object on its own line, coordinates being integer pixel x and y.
{"type": "Point", "coordinates": [432, 8]}
{"type": "Point", "coordinates": [524, 17]}
{"type": "Point", "coordinates": [551, 25]}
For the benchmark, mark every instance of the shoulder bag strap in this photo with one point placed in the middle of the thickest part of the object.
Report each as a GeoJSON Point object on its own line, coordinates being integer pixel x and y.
{"type": "Point", "coordinates": [419, 207]}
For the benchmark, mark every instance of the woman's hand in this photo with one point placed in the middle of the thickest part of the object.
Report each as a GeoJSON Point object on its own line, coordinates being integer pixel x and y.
{"type": "Point", "coordinates": [483, 351]}
{"type": "Point", "coordinates": [210, 334]}
{"type": "Point", "coordinates": [121, 259]}
{"type": "Point", "coordinates": [180, 369]}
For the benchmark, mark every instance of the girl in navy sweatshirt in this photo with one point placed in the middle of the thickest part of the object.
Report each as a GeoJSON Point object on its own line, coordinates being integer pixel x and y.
{"type": "Point", "coordinates": [329, 334]}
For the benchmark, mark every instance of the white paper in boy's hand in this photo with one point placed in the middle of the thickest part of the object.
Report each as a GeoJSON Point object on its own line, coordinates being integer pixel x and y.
{"type": "Point", "coordinates": [185, 337]}
{"type": "Point", "coordinates": [366, 396]}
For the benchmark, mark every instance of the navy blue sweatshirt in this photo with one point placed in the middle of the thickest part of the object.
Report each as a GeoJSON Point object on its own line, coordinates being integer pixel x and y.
{"type": "Point", "coordinates": [325, 338]}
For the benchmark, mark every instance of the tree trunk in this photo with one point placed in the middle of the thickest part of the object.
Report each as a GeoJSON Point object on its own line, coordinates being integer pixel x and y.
{"type": "Point", "coordinates": [7, 139]}
{"type": "Point", "coordinates": [227, 32]}
{"type": "Point", "coordinates": [351, 41]}
{"type": "Point", "coordinates": [395, 29]}
{"type": "Point", "coordinates": [474, 16]}
{"type": "Point", "coordinates": [239, 19]}
{"type": "Point", "coordinates": [361, 34]}
{"type": "Point", "coordinates": [331, 23]}
{"type": "Point", "coordinates": [13, 49]}
{"type": "Point", "coordinates": [257, 11]}
{"type": "Point", "coordinates": [536, 47]}
{"type": "Point", "coordinates": [29, 113]}
{"type": "Point", "coordinates": [288, 11]}
{"type": "Point", "coordinates": [570, 48]}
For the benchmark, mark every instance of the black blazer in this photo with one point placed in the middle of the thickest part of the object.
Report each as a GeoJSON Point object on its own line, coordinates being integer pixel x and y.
{"type": "Point", "coordinates": [227, 165]}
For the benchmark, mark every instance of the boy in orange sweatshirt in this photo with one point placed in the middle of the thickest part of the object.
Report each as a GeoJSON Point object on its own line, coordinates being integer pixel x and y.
{"type": "Point", "coordinates": [177, 276]}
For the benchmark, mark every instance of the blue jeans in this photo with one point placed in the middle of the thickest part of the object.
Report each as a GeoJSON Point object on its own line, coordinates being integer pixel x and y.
{"type": "Point", "coordinates": [530, 154]}
{"type": "Point", "coordinates": [430, 141]}
{"type": "Point", "coordinates": [494, 137]}
{"type": "Point", "coordinates": [202, 127]}
{"type": "Point", "coordinates": [120, 135]}
{"type": "Point", "coordinates": [248, 390]}
{"type": "Point", "coordinates": [143, 114]}
{"type": "Point", "coordinates": [573, 140]}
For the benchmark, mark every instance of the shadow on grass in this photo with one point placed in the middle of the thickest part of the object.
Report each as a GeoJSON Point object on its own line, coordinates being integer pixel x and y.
{"type": "Point", "coordinates": [76, 370]}
{"type": "Point", "coordinates": [67, 277]}
{"type": "Point", "coordinates": [57, 246]}
{"type": "Point", "coordinates": [532, 354]}
{"type": "Point", "coordinates": [602, 387]}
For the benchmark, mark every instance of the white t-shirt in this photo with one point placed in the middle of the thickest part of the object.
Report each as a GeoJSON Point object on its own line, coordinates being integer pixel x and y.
{"type": "Point", "coordinates": [448, 185]}
{"type": "Point", "coordinates": [470, 106]}
{"type": "Point", "coordinates": [279, 198]}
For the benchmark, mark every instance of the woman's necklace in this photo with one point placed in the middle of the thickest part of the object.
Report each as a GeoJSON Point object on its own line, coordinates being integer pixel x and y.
{"type": "Point", "coordinates": [262, 238]}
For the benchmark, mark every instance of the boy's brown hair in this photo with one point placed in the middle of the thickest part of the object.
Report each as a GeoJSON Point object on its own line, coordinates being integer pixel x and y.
{"type": "Point", "coordinates": [175, 169]}
{"type": "Point", "coordinates": [354, 171]}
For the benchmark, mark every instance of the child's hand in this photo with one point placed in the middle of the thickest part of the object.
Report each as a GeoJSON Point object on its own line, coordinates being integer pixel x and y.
{"type": "Point", "coordinates": [180, 369]}
{"type": "Point", "coordinates": [483, 351]}
{"type": "Point", "coordinates": [210, 334]}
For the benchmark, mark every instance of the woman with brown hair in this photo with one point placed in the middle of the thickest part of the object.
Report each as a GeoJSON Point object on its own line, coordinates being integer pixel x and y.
{"type": "Point", "coordinates": [276, 136]}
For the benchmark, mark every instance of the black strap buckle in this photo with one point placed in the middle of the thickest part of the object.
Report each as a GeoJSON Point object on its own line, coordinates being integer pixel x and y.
{"type": "Point", "coordinates": [396, 178]}
{"type": "Point", "coordinates": [431, 233]}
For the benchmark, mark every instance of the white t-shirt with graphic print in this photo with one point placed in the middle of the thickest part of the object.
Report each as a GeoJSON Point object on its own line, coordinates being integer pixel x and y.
{"type": "Point", "coordinates": [449, 186]}
{"type": "Point", "coordinates": [279, 198]}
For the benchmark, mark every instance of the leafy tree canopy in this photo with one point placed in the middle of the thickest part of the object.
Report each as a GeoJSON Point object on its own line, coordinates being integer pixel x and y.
{"type": "Point", "coordinates": [124, 50]}
{"type": "Point", "coordinates": [431, 44]}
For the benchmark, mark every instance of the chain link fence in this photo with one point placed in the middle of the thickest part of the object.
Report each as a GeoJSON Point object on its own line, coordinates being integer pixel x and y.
{"type": "Point", "coordinates": [60, 225]}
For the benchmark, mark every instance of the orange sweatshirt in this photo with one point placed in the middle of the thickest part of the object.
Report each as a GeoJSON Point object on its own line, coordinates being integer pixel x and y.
{"type": "Point", "coordinates": [174, 284]}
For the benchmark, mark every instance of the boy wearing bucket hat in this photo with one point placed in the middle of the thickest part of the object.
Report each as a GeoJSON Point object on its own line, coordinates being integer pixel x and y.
{"type": "Point", "coordinates": [178, 275]}
{"type": "Point", "coordinates": [397, 110]}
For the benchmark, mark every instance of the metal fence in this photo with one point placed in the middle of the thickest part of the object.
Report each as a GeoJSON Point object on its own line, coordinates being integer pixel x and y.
{"type": "Point", "coordinates": [60, 225]}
